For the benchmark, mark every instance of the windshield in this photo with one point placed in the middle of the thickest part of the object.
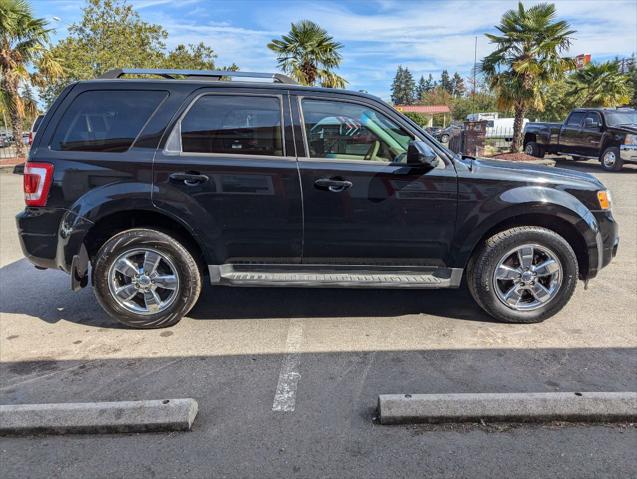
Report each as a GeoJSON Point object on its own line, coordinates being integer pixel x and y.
{"type": "Point", "coordinates": [614, 118]}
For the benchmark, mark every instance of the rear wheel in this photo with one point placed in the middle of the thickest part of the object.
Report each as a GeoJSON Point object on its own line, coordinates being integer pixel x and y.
{"type": "Point", "coordinates": [534, 149]}
{"type": "Point", "coordinates": [523, 275]}
{"type": "Point", "coordinates": [146, 279]}
{"type": "Point", "coordinates": [611, 160]}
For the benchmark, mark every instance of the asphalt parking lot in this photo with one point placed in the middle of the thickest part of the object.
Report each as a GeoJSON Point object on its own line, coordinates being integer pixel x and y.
{"type": "Point", "coordinates": [345, 347]}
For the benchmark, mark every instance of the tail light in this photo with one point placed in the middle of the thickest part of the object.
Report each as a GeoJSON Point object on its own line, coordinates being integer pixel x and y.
{"type": "Point", "coordinates": [37, 181]}
{"type": "Point", "coordinates": [30, 138]}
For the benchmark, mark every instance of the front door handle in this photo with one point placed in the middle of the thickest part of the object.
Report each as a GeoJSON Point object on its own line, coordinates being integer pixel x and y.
{"type": "Point", "coordinates": [332, 184]}
{"type": "Point", "coordinates": [190, 179]}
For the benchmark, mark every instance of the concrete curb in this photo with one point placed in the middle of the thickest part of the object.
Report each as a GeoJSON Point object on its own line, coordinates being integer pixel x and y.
{"type": "Point", "coordinates": [507, 407]}
{"type": "Point", "coordinates": [98, 417]}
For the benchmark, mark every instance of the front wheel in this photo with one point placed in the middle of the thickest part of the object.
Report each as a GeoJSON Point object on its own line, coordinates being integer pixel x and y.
{"type": "Point", "coordinates": [523, 275]}
{"type": "Point", "coordinates": [444, 138]}
{"type": "Point", "coordinates": [611, 161]}
{"type": "Point", "coordinates": [146, 279]}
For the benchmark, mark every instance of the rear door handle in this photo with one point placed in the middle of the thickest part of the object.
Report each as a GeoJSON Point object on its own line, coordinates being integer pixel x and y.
{"type": "Point", "coordinates": [189, 178]}
{"type": "Point", "coordinates": [333, 185]}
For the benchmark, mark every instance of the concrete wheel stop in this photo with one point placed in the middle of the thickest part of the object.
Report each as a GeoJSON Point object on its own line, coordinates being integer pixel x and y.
{"type": "Point", "coordinates": [98, 417]}
{"type": "Point", "coordinates": [508, 407]}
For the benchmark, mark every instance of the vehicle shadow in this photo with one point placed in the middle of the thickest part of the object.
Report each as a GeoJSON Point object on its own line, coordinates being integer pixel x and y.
{"type": "Point", "coordinates": [592, 166]}
{"type": "Point", "coordinates": [46, 295]}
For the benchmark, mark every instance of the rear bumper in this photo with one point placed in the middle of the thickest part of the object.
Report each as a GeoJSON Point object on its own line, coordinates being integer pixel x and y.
{"type": "Point", "coordinates": [628, 153]}
{"type": "Point", "coordinates": [51, 237]}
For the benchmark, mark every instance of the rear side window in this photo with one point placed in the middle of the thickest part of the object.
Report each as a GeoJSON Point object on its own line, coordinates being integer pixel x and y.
{"type": "Point", "coordinates": [233, 124]}
{"type": "Point", "coordinates": [576, 118]}
{"type": "Point", "coordinates": [36, 123]}
{"type": "Point", "coordinates": [106, 120]}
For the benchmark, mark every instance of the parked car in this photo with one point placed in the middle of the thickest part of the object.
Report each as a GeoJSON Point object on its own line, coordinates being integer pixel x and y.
{"type": "Point", "coordinates": [34, 128]}
{"type": "Point", "coordinates": [444, 135]}
{"type": "Point", "coordinates": [7, 138]}
{"type": "Point", "coordinates": [162, 184]}
{"type": "Point", "coordinates": [607, 134]}
{"type": "Point", "coordinates": [433, 130]}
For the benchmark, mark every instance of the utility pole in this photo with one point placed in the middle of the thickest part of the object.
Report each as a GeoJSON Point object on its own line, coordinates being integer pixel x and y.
{"type": "Point", "coordinates": [475, 67]}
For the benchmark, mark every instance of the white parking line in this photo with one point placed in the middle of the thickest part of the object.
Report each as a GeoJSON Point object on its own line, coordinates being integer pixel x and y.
{"type": "Point", "coordinates": [285, 396]}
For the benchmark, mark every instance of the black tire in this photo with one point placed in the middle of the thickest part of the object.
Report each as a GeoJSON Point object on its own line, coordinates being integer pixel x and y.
{"type": "Point", "coordinates": [187, 271]}
{"type": "Point", "coordinates": [444, 138]}
{"type": "Point", "coordinates": [534, 149]}
{"type": "Point", "coordinates": [611, 165]}
{"type": "Point", "coordinates": [481, 268]}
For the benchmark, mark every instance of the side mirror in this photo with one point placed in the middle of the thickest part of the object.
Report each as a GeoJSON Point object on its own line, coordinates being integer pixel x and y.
{"type": "Point", "coordinates": [421, 154]}
{"type": "Point", "coordinates": [590, 123]}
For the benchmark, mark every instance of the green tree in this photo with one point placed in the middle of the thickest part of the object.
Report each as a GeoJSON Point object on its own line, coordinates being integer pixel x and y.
{"type": "Point", "coordinates": [457, 82]}
{"type": "Point", "coordinates": [430, 83]}
{"type": "Point", "coordinates": [111, 34]}
{"type": "Point", "coordinates": [23, 41]}
{"type": "Point", "coordinates": [420, 119]}
{"type": "Point", "coordinates": [403, 89]}
{"type": "Point", "coordinates": [421, 88]}
{"type": "Point", "coordinates": [557, 103]}
{"type": "Point", "coordinates": [632, 74]}
{"type": "Point", "coordinates": [438, 96]}
{"type": "Point", "coordinates": [308, 54]}
{"type": "Point", "coordinates": [445, 81]}
{"type": "Point", "coordinates": [600, 84]}
{"type": "Point", "coordinates": [480, 102]}
{"type": "Point", "coordinates": [527, 57]}
{"type": "Point", "coordinates": [191, 57]}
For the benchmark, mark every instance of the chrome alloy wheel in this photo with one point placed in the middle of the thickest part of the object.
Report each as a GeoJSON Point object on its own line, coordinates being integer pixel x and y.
{"type": "Point", "coordinates": [527, 277]}
{"type": "Point", "coordinates": [529, 149]}
{"type": "Point", "coordinates": [609, 159]}
{"type": "Point", "coordinates": [143, 281]}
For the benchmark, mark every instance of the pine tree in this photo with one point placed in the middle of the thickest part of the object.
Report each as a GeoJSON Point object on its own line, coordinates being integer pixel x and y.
{"type": "Point", "coordinates": [403, 88]}
{"type": "Point", "coordinates": [421, 89]}
{"type": "Point", "coordinates": [445, 81]}
{"type": "Point", "coordinates": [396, 87]}
{"type": "Point", "coordinates": [430, 83]}
{"type": "Point", "coordinates": [459, 88]}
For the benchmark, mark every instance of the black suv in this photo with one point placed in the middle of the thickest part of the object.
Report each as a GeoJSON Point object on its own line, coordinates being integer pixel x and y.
{"type": "Point", "coordinates": [162, 184]}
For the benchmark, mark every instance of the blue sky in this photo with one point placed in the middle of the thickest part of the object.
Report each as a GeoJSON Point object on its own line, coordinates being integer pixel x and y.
{"type": "Point", "coordinates": [378, 35]}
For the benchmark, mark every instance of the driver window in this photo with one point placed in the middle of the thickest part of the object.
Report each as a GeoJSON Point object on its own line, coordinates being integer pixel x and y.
{"type": "Point", "coordinates": [349, 131]}
{"type": "Point", "coordinates": [593, 116]}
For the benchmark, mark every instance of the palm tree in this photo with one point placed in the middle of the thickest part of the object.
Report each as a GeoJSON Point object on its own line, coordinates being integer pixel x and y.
{"type": "Point", "coordinates": [601, 84]}
{"type": "Point", "coordinates": [527, 57]}
{"type": "Point", "coordinates": [307, 53]}
{"type": "Point", "coordinates": [23, 39]}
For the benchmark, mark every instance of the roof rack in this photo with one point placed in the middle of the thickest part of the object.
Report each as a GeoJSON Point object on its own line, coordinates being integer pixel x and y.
{"type": "Point", "coordinates": [214, 75]}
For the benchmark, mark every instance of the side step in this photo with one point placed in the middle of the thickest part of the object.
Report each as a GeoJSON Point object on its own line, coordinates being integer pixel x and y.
{"type": "Point", "coordinates": [331, 276]}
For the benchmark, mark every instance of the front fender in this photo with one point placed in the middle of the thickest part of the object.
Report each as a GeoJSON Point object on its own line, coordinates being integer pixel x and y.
{"type": "Point", "coordinates": [525, 200]}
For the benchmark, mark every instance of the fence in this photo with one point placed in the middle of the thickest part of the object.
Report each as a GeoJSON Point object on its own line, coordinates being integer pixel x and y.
{"type": "Point", "coordinates": [8, 151]}
{"type": "Point", "coordinates": [477, 138]}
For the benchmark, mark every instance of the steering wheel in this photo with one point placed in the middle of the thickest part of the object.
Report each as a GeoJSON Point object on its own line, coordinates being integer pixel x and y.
{"type": "Point", "coordinates": [373, 150]}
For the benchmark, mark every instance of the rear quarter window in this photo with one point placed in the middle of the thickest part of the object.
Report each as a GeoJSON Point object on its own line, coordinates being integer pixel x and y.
{"type": "Point", "coordinates": [105, 120]}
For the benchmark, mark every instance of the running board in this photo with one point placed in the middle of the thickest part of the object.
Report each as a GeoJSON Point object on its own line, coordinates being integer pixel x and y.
{"type": "Point", "coordinates": [334, 276]}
